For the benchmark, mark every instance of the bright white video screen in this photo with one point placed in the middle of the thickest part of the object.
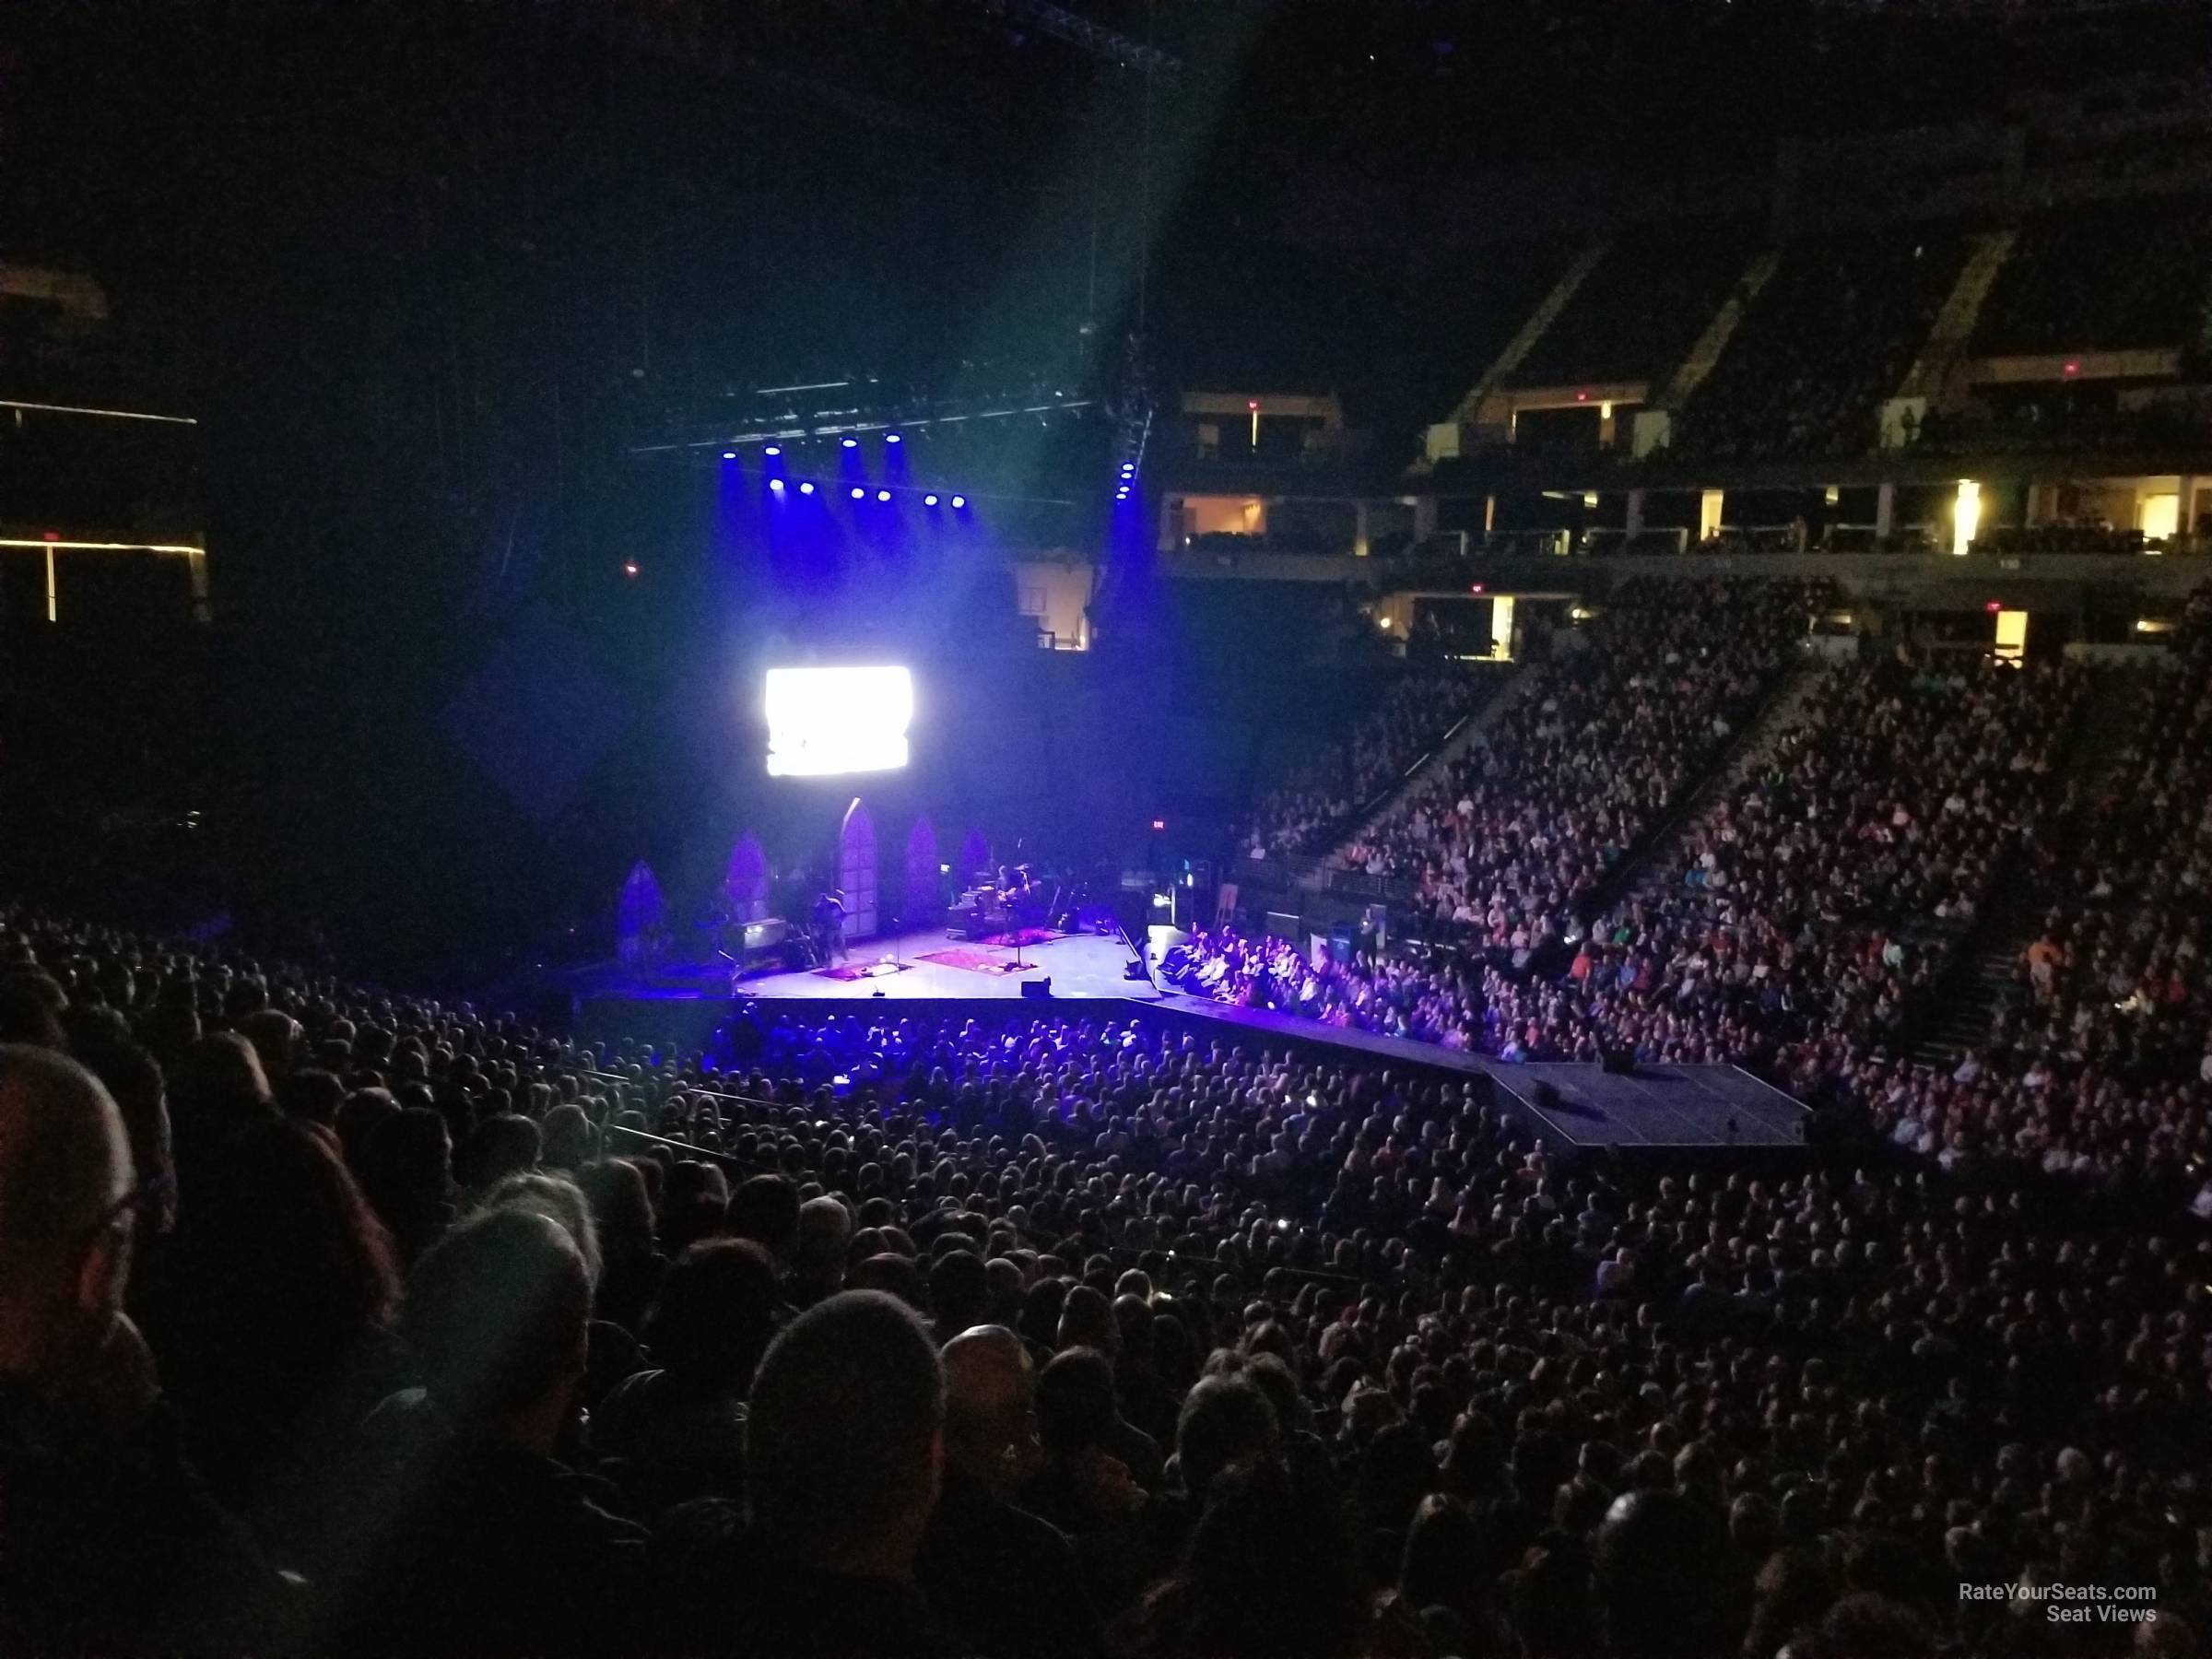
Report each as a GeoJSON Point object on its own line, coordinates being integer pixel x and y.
{"type": "Point", "coordinates": [823, 722]}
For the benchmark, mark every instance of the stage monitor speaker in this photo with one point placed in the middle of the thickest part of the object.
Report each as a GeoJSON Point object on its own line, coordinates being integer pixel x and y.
{"type": "Point", "coordinates": [1621, 1063]}
{"type": "Point", "coordinates": [1040, 989]}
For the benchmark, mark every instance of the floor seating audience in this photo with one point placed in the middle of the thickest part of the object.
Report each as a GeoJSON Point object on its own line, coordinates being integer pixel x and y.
{"type": "Point", "coordinates": [1425, 1389]}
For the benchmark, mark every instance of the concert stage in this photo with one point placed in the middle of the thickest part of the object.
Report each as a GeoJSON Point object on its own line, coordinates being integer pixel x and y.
{"type": "Point", "coordinates": [1661, 1107]}
{"type": "Point", "coordinates": [928, 964]}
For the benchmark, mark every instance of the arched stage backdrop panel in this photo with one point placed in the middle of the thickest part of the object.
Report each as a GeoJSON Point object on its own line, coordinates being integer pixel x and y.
{"type": "Point", "coordinates": [856, 867]}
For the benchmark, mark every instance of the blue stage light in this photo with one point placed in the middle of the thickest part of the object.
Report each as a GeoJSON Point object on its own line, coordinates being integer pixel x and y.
{"type": "Point", "coordinates": [959, 500]}
{"type": "Point", "coordinates": [893, 438]}
{"type": "Point", "coordinates": [852, 443]}
{"type": "Point", "coordinates": [807, 488]}
{"type": "Point", "coordinates": [774, 449]}
{"type": "Point", "coordinates": [858, 492]}
{"type": "Point", "coordinates": [883, 495]}
{"type": "Point", "coordinates": [729, 454]}
{"type": "Point", "coordinates": [776, 485]}
{"type": "Point", "coordinates": [930, 499]}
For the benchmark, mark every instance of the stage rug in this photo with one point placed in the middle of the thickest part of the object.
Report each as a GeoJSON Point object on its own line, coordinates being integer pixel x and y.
{"type": "Point", "coordinates": [1025, 936]}
{"type": "Point", "coordinates": [860, 971]}
{"type": "Point", "coordinates": [975, 962]}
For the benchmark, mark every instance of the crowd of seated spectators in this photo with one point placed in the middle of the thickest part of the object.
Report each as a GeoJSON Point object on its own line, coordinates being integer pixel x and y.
{"type": "Point", "coordinates": [1506, 839]}
{"type": "Point", "coordinates": [2100, 279]}
{"type": "Point", "coordinates": [1822, 900]}
{"type": "Point", "coordinates": [1369, 991]}
{"type": "Point", "coordinates": [1509, 835]}
{"type": "Point", "coordinates": [339, 1321]}
{"type": "Point", "coordinates": [2060, 536]}
{"type": "Point", "coordinates": [2099, 1061]}
{"type": "Point", "coordinates": [2061, 420]}
{"type": "Point", "coordinates": [1815, 900]}
{"type": "Point", "coordinates": [1833, 334]}
{"type": "Point", "coordinates": [1811, 903]}
{"type": "Point", "coordinates": [1308, 810]}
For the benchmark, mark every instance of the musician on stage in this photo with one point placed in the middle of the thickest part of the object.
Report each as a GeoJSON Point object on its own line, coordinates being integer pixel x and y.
{"type": "Point", "coordinates": [830, 927]}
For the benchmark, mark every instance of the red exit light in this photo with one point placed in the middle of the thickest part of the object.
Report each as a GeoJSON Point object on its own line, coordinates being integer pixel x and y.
{"type": "Point", "coordinates": [1994, 607]}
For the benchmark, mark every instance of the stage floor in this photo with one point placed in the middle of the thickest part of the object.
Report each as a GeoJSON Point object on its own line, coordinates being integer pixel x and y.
{"type": "Point", "coordinates": [1577, 1105]}
{"type": "Point", "coordinates": [1076, 964]}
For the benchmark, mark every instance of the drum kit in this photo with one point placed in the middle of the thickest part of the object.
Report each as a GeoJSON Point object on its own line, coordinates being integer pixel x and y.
{"type": "Point", "coordinates": [1015, 899]}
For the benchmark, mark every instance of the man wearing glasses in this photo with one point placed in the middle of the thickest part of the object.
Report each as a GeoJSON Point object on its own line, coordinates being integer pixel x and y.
{"type": "Point", "coordinates": [114, 1546]}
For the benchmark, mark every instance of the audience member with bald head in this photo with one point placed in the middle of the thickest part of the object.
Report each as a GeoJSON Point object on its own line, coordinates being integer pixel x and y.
{"type": "Point", "coordinates": [112, 1545]}
{"type": "Point", "coordinates": [846, 1449]}
{"type": "Point", "coordinates": [997, 1576]}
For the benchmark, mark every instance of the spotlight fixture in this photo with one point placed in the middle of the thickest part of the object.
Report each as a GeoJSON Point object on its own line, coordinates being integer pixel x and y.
{"type": "Point", "coordinates": [893, 438]}
{"type": "Point", "coordinates": [807, 487]}
{"type": "Point", "coordinates": [729, 454]}
{"type": "Point", "coordinates": [858, 493]}
{"type": "Point", "coordinates": [883, 495]}
{"type": "Point", "coordinates": [774, 449]}
{"type": "Point", "coordinates": [958, 502]}
{"type": "Point", "coordinates": [852, 443]}
{"type": "Point", "coordinates": [930, 499]}
{"type": "Point", "coordinates": [776, 485]}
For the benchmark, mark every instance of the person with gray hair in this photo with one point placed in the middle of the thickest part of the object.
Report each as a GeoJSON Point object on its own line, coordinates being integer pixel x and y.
{"type": "Point", "coordinates": [113, 1544]}
{"type": "Point", "coordinates": [817, 1251]}
{"type": "Point", "coordinates": [462, 1533]}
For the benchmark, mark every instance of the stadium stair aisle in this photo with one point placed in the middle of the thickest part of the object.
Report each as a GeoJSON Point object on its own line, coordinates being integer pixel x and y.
{"type": "Point", "coordinates": [1958, 1017]}
{"type": "Point", "coordinates": [1707, 352]}
{"type": "Point", "coordinates": [1519, 678]}
{"type": "Point", "coordinates": [1659, 866]}
{"type": "Point", "coordinates": [1962, 313]}
{"type": "Point", "coordinates": [1523, 342]}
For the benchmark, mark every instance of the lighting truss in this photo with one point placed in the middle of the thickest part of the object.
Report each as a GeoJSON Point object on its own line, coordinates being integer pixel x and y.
{"type": "Point", "coordinates": [791, 427]}
{"type": "Point", "coordinates": [1131, 434]}
{"type": "Point", "coordinates": [1063, 24]}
